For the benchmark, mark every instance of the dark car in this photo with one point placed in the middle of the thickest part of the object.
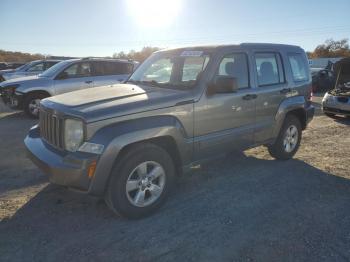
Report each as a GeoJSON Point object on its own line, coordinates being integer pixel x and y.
{"type": "Point", "coordinates": [322, 79]}
{"type": "Point", "coordinates": [337, 100]}
{"type": "Point", "coordinates": [14, 65]}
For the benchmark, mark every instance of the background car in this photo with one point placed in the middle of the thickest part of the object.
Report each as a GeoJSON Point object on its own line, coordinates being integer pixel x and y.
{"type": "Point", "coordinates": [337, 100]}
{"type": "Point", "coordinates": [29, 69]}
{"type": "Point", "coordinates": [66, 76]}
{"type": "Point", "coordinates": [322, 79]}
{"type": "Point", "coordinates": [14, 65]}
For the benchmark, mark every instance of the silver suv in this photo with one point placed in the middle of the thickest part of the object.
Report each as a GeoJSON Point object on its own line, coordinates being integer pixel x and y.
{"type": "Point", "coordinates": [181, 107]}
{"type": "Point", "coordinates": [30, 69]}
{"type": "Point", "coordinates": [66, 76]}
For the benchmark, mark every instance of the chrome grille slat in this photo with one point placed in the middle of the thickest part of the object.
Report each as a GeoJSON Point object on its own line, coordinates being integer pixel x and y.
{"type": "Point", "coordinates": [51, 128]}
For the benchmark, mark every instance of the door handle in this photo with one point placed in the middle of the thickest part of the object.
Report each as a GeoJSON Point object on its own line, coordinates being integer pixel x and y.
{"type": "Point", "coordinates": [285, 90]}
{"type": "Point", "coordinates": [250, 97]}
{"type": "Point", "coordinates": [88, 82]}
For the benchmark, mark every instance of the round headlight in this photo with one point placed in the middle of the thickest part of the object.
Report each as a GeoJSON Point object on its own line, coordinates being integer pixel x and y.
{"type": "Point", "coordinates": [73, 134]}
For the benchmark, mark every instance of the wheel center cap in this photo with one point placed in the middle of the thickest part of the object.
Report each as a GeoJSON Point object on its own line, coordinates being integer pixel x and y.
{"type": "Point", "coordinates": [144, 182]}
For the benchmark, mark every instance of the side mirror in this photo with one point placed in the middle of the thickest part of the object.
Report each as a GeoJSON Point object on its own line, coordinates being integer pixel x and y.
{"type": "Point", "coordinates": [62, 75]}
{"type": "Point", "coordinates": [223, 84]}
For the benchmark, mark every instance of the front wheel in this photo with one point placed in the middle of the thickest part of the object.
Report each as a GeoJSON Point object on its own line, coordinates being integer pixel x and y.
{"type": "Point", "coordinates": [140, 182]}
{"type": "Point", "coordinates": [32, 104]}
{"type": "Point", "coordinates": [288, 140]}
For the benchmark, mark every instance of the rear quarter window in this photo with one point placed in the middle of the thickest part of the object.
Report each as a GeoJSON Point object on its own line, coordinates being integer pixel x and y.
{"type": "Point", "coordinates": [299, 67]}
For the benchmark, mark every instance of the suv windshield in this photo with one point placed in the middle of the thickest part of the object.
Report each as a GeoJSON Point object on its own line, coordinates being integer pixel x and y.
{"type": "Point", "coordinates": [170, 70]}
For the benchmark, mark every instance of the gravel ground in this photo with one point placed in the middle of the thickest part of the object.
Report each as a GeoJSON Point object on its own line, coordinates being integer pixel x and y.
{"type": "Point", "coordinates": [246, 207]}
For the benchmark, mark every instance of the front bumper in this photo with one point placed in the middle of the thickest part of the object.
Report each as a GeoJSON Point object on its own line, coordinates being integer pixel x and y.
{"type": "Point", "coordinates": [12, 100]}
{"type": "Point", "coordinates": [337, 105]}
{"type": "Point", "coordinates": [63, 168]}
{"type": "Point", "coordinates": [336, 111]}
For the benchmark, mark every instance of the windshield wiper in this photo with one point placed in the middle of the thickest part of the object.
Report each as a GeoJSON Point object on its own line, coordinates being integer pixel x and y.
{"type": "Point", "coordinates": [152, 82]}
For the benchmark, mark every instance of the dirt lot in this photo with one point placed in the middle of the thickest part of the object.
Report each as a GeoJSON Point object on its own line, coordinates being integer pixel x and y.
{"type": "Point", "coordinates": [246, 207]}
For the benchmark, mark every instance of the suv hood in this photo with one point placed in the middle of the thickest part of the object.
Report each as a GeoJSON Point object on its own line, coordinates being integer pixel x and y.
{"type": "Point", "coordinates": [104, 102]}
{"type": "Point", "coordinates": [20, 80]}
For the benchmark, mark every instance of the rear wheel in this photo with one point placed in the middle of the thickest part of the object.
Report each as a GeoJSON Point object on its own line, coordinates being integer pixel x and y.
{"type": "Point", "coordinates": [32, 104]}
{"type": "Point", "coordinates": [288, 140]}
{"type": "Point", "coordinates": [140, 182]}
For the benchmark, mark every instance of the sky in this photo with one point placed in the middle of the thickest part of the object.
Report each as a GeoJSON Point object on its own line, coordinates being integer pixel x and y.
{"type": "Point", "coordinates": [104, 27]}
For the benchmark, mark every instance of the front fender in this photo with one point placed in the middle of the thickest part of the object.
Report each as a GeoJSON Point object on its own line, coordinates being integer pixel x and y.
{"type": "Point", "coordinates": [33, 86]}
{"type": "Point", "coordinates": [117, 136]}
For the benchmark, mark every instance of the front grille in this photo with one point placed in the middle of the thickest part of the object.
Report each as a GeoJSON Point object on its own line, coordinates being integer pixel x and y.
{"type": "Point", "coordinates": [343, 99]}
{"type": "Point", "coordinates": [51, 128]}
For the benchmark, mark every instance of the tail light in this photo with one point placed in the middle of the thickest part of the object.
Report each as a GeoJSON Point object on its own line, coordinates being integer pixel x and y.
{"type": "Point", "coordinates": [309, 96]}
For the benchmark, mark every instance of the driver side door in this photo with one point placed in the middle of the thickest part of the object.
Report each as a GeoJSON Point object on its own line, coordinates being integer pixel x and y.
{"type": "Point", "coordinates": [225, 121]}
{"type": "Point", "coordinates": [75, 77]}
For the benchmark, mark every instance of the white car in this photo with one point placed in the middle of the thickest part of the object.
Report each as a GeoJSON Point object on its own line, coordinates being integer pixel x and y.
{"type": "Point", "coordinates": [29, 69]}
{"type": "Point", "coordinates": [69, 75]}
{"type": "Point", "coordinates": [337, 100]}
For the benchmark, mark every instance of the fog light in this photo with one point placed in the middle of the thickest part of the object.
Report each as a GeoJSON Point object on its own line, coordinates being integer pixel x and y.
{"type": "Point", "coordinates": [91, 148]}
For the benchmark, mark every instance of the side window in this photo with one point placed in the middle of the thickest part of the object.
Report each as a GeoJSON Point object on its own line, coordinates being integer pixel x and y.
{"type": "Point", "coordinates": [299, 69]}
{"type": "Point", "coordinates": [235, 65]}
{"type": "Point", "coordinates": [78, 70]}
{"type": "Point", "coordinates": [37, 67]}
{"type": "Point", "coordinates": [192, 67]}
{"type": "Point", "coordinates": [124, 68]}
{"type": "Point", "coordinates": [99, 68]}
{"type": "Point", "coordinates": [269, 69]}
{"type": "Point", "coordinates": [112, 68]}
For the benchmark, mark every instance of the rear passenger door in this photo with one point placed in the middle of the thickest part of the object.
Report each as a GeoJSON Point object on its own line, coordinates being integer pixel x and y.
{"type": "Point", "coordinates": [272, 89]}
{"type": "Point", "coordinates": [110, 72]}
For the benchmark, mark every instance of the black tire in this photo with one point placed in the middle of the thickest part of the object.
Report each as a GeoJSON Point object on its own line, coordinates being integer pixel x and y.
{"type": "Point", "coordinates": [330, 115]}
{"type": "Point", "coordinates": [116, 196]}
{"type": "Point", "coordinates": [29, 100]}
{"type": "Point", "coordinates": [278, 150]}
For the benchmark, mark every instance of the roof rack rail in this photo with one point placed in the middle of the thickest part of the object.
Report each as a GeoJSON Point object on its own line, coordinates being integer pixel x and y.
{"type": "Point", "coordinates": [107, 58]}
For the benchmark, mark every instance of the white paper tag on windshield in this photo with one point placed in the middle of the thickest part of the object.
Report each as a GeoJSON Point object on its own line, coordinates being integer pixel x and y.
{"type": "Point", "coordinates": [192, 53]}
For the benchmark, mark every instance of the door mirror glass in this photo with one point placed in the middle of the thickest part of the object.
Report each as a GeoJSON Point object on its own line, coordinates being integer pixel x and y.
{"type": "Point", "coordinates": [223, 84]}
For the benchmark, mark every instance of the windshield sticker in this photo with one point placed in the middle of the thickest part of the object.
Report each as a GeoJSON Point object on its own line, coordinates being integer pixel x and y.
{"type": "Point", "coordinates": [192, 53]}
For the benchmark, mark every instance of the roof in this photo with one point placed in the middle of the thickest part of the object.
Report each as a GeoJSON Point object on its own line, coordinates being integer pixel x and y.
{"type": "Point", "coordinates": [229, 46]}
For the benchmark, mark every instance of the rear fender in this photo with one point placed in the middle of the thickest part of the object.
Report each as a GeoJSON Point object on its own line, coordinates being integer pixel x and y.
{"type": "Point", "coordinates": [295, 103]}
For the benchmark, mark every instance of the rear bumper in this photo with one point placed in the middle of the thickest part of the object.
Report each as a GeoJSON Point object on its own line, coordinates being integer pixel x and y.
{"type": "Point", "coordinates": [62, 168]}
{"type": "Point", "coordinates": [310, 112]}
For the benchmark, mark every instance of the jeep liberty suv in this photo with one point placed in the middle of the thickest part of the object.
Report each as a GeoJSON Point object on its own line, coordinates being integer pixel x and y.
{"type": "Point", "coordinates": [127, 142]}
